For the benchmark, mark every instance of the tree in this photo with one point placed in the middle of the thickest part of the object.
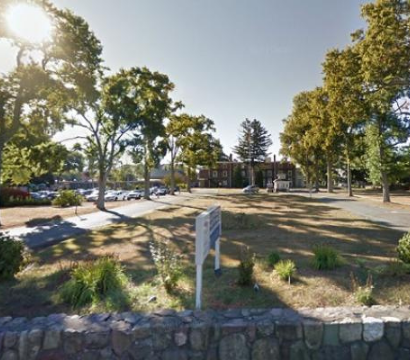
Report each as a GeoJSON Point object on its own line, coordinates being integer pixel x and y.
{"type": "Point", "coordinates": [253, 145]}
{"type": "Point", "coordinates": [38, 88]}
{"type": "Point", "coordinates": [385, 65]}
{"type": "Point", "coordinates": [142, 98]}
{"type": "Point", "coordinates": [347, 106]}
{"type": "Point", "coordinates": [194, 138]}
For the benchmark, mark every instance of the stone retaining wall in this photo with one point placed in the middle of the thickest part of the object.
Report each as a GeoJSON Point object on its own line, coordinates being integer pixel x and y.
{"type": "Point", "coordinates": [327, 333]}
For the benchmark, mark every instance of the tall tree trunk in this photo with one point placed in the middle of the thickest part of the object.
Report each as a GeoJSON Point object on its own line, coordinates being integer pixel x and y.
{"type": "Point", "coordinates": [146, 178]}
{"type": "Point", "coordinates": [383, 177]}
{"type": "Point", "coordinates": [188, 184]}
{"type": "Point", "coordinates": [102, 184]}
{"type": "Point", "coordinates": [329, 175]}
{"type": "Point", "coordinates": [252, 174]}
{"type": "Point", "coordinates": [348, 169]}
{"type": "Point", "coordinates": [172, 191]}
{"type": "Point", "coordinates": [316, 175]}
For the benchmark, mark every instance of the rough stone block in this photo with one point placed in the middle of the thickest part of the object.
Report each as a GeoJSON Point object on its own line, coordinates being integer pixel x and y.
{"type": "Point", "coordinates": [121, 341]}
{"type": "Point", "coordinates": [73, 341]}
{"type": "Point", "coordinates": [199, 337]}
{"type": "Point", "coordinates": [265, 328]}
{"type": "Point", "coordinates": [266, 348]}
{"type": "Point", "coordinates": [233, 347]}
{"type": "Point", "coordinates": [23, 345]}
{"type": "Point", "coordinates": [392, 332]}
{"type": "Point", "coordinates": [10, 339]}
{"type": "Point", "coordinates": [350, 331]}
{"type": "Point", "coordinates": [97, 340]}
{"type": "Point", "coordinates": [299, 351]}
{"type": "Point", "coordinates": [289, 330]}
{"type": "Point", "coordinates": [180, 338]}
{"type": "Point", "coordinates": [331, 334]}
{"type": "Point", "coordinates": [52, 338]}
{"type": "Point", "coordinates": [313, 331]}
{"type": "Point", "coordinates": [373, 329]}
{"type": "Point", "coordinates": [141, 331]}
{"type": "Point", "coordinates": [381, 350]}
{"type": "Point", "coordinates": [359, 351]}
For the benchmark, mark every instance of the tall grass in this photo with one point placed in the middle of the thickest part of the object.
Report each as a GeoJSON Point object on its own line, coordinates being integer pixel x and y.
{"type": "Point", "coordinates": [93, 280]}
{"type": "Point", "coordinates": [325, 257]}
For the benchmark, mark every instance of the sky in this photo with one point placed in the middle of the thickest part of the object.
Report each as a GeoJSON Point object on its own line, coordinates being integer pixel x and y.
{"type": "Point", "coordinates": [229, 59]}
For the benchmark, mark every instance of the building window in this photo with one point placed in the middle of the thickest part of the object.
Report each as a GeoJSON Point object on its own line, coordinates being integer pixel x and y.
{"type": "Point", "coordinates": [243, 173]}
{"type": "Point", "coordinates": [214, 174]}
{"type": "Point", "coordinates": [224, 173]}
{"type": "Point", "coordinates": [269, 173]}
{"type": "Point", "coordinates": [290, 174]}
{"type": "Point", "coordinates": [224, 183]}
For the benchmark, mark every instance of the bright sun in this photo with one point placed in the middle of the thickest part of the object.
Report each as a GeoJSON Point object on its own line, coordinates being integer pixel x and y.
{"type": "Point", "coordinates": [29, 22]}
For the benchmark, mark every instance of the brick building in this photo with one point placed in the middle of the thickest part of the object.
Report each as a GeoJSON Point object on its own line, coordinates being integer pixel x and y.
{"type": "Point", "coordinates": [223, 174]}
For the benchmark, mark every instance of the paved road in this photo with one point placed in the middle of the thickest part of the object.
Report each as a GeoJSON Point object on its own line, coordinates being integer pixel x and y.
{"type": "Point", "coordinates": [56, 231]}
{"type": "Point", "coordinates": [394, 217]}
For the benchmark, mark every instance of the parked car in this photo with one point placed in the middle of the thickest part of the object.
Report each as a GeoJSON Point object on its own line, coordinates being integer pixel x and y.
{"type": "Point", "coordinates": [163, 190]}
{"type": "Point", "coordinates": [250, 189]}
{"type": "Point", "coordinates": [93, 196]}
{"type": "Point", "coordinates": [134, 195]}
{"type": "Point", "coordinates": [115, 195]}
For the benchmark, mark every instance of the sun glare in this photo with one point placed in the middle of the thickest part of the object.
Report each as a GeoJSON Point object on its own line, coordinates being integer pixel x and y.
{"type": "Point", "coordinates": [29, 22]}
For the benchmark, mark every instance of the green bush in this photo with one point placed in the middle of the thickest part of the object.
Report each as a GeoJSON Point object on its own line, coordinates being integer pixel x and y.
{"type": "Point", "coordinates": [67, 198]}
{"type": "Point", "coordinates": [12, 256]}
{"type": "Point", "coordinates": [273, 258]}
{"type": "Point", "coordinates": [325, 257]}
{"type": "Point", "coordinates": [403, 249]}
{"type": "Point", "coordinates": [91, 281]}
{"type": "Point", "coordinates": [363, 294]}
{"type": "Point", "coordinates": [167, 263]}
{"type": "Point", "coordinates": [246, 267]}
{"type": "Point", "coordinates": [285, 269]}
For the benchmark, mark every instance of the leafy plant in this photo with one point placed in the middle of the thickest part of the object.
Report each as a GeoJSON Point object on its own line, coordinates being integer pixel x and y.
{"type": "Point", "coordinates": [92, 280]}
{"type": "Point", "coordinates": [285, 269]}
{"type": "Point", "coordinates": [273, 258]}
{"type": "Point", "coordinates": [246, 266]}
{"type": "Point", "coordinates": [363, 294]}
{"type": "Point", "coordinates": [167, 263]}
{"type": "Point", "coordinates": [13, 256]}
{"type": "Point", "coordinates": [403, 249]}
{"type": "Point", "coordinates": [67, 198]}
{"type": "Point", "coordinates": [325, 257]}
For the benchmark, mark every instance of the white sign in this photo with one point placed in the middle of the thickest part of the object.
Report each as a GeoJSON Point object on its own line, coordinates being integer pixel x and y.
{"type": "Point", "coordinates": [208, 227]}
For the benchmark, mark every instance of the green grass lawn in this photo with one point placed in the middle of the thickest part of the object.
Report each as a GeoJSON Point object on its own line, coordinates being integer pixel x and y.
{"type": "Point", "coordinates": [288, 224]}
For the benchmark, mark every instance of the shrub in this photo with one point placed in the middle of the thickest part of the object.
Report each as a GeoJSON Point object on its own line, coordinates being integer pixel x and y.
{"type": "Point", "coordinates": [67, 198]}
{"type": "Point", "coordinates": [167, 263]}
{"type": "Point", "coordinates": [363, 294]}
{"type": "Point", "coordinates": [246, 266]}
{"type": "Point", "coordinates": [403, 249]}
{"type": "Point", "coordinates": [285, 269]}
{"type": "Point", "coordinates": [325, 257]}
{"type": "Point", "coordinates": [92, 280]}
{"type": "Point", "coordinates": [395, 268]}
{"type": "Point", "coordinates": [273, 258]}
{"type": "Point", "coordinates": [13, 256]}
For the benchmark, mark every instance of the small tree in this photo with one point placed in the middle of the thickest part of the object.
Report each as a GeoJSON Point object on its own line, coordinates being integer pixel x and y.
{"type": "Point", "coordinates": [238, 179]}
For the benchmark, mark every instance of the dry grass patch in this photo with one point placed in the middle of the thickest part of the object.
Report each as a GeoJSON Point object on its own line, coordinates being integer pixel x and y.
{"type": "Point", "coordinates": [290, 225]}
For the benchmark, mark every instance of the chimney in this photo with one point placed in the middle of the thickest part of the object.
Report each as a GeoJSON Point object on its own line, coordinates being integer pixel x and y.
{"type": "Point", "coordinates": [275, 168]}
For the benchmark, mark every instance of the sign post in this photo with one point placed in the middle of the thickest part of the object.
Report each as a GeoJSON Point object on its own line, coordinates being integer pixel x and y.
{"type": "Point", "coordinates": [208, 227]}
